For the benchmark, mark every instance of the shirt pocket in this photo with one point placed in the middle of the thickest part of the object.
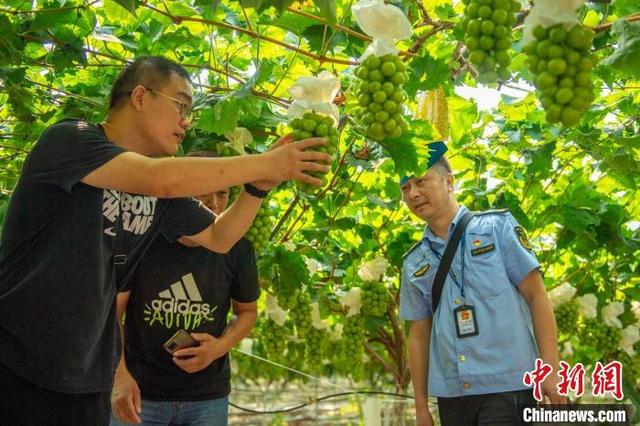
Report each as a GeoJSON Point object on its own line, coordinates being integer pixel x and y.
{"type": "Point", "coordinates": [486, 277]}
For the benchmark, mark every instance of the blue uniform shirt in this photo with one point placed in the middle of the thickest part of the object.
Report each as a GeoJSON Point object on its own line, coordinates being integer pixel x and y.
{"type": "Point", "coordinates": [496, 260]}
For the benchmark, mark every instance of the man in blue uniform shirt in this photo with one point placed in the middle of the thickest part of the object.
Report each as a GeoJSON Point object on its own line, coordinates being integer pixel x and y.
{"type": "Point", "coordinates": [494, 278]}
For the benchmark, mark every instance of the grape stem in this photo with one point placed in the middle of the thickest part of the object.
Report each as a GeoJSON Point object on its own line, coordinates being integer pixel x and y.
{"type": "Point", "coordinates": [325, 22]}
{"type": "Point", "coordinates": [379, 358]}
{"type": "Point", "coordinates": [178, 19]}
{"type": "Point", "coordinates": [268, 97]}
{"type": "Point", "coordinates": [72, 95]}
{"type": "Point", "coordinates": [631, 18]}
{"type": "Point", "coordinates": [437, 27]}
{"type": "Point", "coordinates": [284, 103]}
{"type": "Point", "coordinates": [284, 217]}
{"type": "Point", "coordinates": [48, 10]}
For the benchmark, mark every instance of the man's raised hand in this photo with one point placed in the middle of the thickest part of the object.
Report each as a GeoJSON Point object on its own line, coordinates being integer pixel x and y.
{"type": "Point", "coordinates": [291, 160]}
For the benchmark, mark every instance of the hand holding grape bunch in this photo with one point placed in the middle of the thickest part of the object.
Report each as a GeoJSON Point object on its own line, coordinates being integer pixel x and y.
{"type": "Point", "coordinates": [312, 125]}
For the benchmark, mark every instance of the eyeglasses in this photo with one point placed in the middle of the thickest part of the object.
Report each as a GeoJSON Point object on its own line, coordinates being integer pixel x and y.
{"type": "Point", "coordinates": [183, 107]}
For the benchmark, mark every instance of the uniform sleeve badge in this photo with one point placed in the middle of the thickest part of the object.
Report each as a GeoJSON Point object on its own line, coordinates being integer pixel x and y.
{"type": "Point", "coordinates": [420, 272]}
{"type": "Point", "coordinates": [522, 237]}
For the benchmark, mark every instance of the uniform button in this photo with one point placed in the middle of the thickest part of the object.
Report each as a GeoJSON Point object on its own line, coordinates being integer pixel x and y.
{"type": "Point", "coordinates": [466, 385]}
{"type": "Point", "coordinates": [462, 358]}
{"type": "Point", "coordinates": [456, 301]}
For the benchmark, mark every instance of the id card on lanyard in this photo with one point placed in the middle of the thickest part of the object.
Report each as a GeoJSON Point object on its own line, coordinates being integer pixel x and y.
{"type": "Point", "coordinates": [465, 318]}
{"type": "Point", "coordinates": [464, 315]}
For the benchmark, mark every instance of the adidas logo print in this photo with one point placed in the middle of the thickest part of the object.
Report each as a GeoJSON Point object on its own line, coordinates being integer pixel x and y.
{"type": "Point", "coordinates": [182, 297]}
{"type": "Point", "coordinates": [177, 290]}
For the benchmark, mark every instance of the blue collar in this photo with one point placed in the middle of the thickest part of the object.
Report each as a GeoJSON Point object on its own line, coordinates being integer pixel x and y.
{"type": "Point", "coordinates": [429, 235]}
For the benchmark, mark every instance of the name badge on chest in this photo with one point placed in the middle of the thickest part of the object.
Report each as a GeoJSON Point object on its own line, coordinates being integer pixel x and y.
{"type": "Point", "coordinates": [465, 319]}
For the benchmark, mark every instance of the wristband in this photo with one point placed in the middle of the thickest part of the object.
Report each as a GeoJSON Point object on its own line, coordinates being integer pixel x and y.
{"type": "Point", "coordinates": [252, 190]}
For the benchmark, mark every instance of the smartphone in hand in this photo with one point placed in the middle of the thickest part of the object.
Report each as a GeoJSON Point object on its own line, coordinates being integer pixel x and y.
{"type": "Point", "coordinates": [180, 340]}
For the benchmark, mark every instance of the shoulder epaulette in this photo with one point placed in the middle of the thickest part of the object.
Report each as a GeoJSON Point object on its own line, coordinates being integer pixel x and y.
{"type": "Point", "coordinates": [496, 211]}
{"type": "Point", "coordinates": [413, 247]}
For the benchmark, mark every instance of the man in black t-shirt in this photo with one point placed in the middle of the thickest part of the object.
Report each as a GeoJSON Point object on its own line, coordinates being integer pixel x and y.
{"type": "Point", "coordinates": [89, 200]}
{"type": "Point", "coordinates": [180, 287]}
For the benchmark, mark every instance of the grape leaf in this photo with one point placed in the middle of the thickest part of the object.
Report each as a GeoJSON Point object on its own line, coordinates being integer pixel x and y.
{"type": "Point", "coordinates": [626, 58]}
{"type": "Point", "coordinates": [409, 152]}
{"type": "Point", "coordinates": [327, 10]}
{"type": "Point", "coordinates": [129, 5]}
{"type": "Point", "coordinates": [222, 118]}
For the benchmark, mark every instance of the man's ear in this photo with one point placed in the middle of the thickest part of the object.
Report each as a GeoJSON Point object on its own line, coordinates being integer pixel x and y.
{"type": "Point", "coordinates": [450, 181]}
{"type": "Point", "coordinates": [137, 97]}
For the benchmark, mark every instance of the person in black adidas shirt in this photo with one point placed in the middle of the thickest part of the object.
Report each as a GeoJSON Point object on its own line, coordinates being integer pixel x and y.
{"type": "Point", "coordinates": [89, 200]}
{"type": "Point", "coordinates": [178, 286]}
{"type": "Point", "coordinates": [181, 287]}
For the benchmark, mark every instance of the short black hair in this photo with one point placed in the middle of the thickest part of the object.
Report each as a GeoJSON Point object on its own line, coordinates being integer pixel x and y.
{"type": "Point", "coordinates": [148, 71]}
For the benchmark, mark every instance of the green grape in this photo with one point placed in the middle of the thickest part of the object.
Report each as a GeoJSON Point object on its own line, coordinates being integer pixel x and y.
{"type": "Point", "coordinates": [316, 125]}
{"type": "Point", "coordinates": [225, 150]}
{"type": "Point", "coordinates": [286, 298]}
{"type": "Point", "coordinates": [630, 368]}
{"type": "Point", "coordinates": [300, 312]}
{"type": "Point", "coordinates": [567, 317]}
{"type": "Point", "coordinates": [381, 94]}
{"type": "Point", "coordinates": [597, 334]}
{"type": "Point", "coordinates": [234, 191]}
{"type": "Point", "coordinates": [375, 299]}
{"type": "Point", "coordinates": [350, 349]}
{"type": "Point", "coordinates": [260, 229]}
{"type": "Point", "coordinates": [561, 65]}
{"type": "Point", "coordinates": [316, 346]}
{"type": "Point", "coordinates": [273, 338]}
{"type": "Point", "coordinates": [285, 292]}
{"type": "Point", "coordinates": [486, 26]}
{"type": "Point", "coordinates": [564, 95]}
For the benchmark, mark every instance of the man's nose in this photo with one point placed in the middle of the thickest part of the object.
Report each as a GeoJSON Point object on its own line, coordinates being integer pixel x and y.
{"type": "Point", "coordinates": [214, 203]}
{"type": "Point", "coordinates": [412, 192]}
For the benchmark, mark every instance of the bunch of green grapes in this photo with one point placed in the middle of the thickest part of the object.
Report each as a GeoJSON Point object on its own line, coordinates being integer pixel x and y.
{"type": "Point", "coordinates": [351, 347]}
{"type": "Point", "coordinates": [375, 298]}
{"type": "Point", "coordinates": [381, 96]}
{"type": "Point", "coordinates": [630, 367]}
{"type": "Point", "coordinates": [286, 295]}
{"type": "Point", "coordinates": [234, 191]}
{"type": "Point", "coordinates": [296, 355]}
{"type": "Point", "coordinates": [317, 343]}
{"type": "Point", "coordinates": [561, 63]}
{"type": "Point", "coordinates": [300, 312]}
{"type": "Point", "coordinates": [599, 335]}
{"type": "Point", "coordinates": [224, 150]}
{"type": "Point", "coordinates": [487, 27]}
{"type": "Point", "coordinates": [249, 367]}
{"type": "Point", "coordinates": [273, 338]}
{"type": "Point", "coordinates": [260, 230]}
{"type": "Point", "coordinates": [567, 317]}
{"type": "Point", "coordinates": [315, 125]}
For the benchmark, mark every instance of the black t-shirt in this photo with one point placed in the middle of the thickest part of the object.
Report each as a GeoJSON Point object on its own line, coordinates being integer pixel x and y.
{"type": "Point", "coordinates": [178, 287]}
{"type": "Point", "coordinates": [57, 275]}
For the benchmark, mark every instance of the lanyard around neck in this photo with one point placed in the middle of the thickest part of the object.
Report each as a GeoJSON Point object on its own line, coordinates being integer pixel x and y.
{"type": "Point", "coordinates": [452, 274]}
